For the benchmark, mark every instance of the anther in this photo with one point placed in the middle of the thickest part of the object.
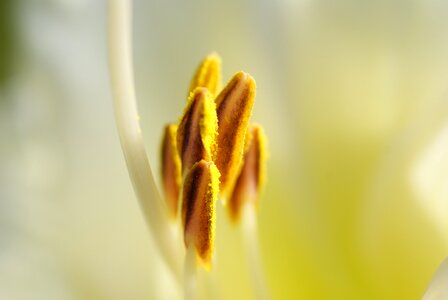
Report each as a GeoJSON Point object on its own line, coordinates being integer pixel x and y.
{"type": "Point", "coordinates": [234, 108]}
{"type": "Point", "coordinates": [200, 192]}
{"type": "Point", "coordinates": [208, 74]}
{"type": "Point", "coordinates": [171, 169]}
{"type": "Point", "coordinates": [252, 174]}
{"type": "Point", "coordinates": [196, 134]}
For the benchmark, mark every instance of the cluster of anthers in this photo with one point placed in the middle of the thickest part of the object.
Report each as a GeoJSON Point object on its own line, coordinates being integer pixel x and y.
{"type": "Point", "coordinates": [213, 151]}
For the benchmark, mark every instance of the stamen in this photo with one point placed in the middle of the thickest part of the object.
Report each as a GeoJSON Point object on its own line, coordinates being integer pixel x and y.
{"type": "Point", "coordinates": [234, 107]}
{"type": "Point", "coordinates": [171, 169]}
{"type": "Point", "coordinates": [200, 192]}
{"type": "Point", "coordinates": [252, 175]}
{"type": "Point", "coordinates": [208, 74]}
{"type": "Point", "coordinates": [196, 134]}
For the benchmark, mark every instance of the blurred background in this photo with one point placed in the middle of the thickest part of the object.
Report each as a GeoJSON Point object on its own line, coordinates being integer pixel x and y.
{"type": "Point", "coordinates": [352, 95]}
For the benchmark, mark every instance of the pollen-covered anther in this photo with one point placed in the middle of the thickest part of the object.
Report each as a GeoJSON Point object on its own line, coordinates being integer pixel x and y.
{"type": "Point", "coordinates": [171, 169]}
{"type": "Point", "coordinates": [234, 108]}
{"type": "Point", "coordinates": [208, 74]}
{"type": "Point", "coordinates": [200, 192]}
{"type": "Point", "coordinates": [252, 174]}
{"type": "Point", "coordinates": [196, 134]}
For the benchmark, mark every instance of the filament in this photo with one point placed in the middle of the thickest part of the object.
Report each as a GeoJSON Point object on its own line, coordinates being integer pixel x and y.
{"type": "Point", "coordinates": [190, 279]}
{"type": "Point", "coordinates": [250, 237]}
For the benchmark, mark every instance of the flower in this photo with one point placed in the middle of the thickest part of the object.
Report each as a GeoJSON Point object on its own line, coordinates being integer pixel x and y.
{"type": "Point", "coordinates": [351, 94]}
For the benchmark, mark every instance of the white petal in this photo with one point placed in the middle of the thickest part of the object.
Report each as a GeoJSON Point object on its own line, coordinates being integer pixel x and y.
{"type": "Point", "coordinates": [438, 288]}
{"type": "Point", "coordinates": [430, 178]}
{"type": "Point", "coordinates": [401, 230]}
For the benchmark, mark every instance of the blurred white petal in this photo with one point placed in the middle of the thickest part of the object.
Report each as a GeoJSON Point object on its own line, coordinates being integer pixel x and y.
{"type": "Point", "coordinates": [438, 288]}
{"type": "Point", "coordinates": [430, 178]}
{"type": "Point", "coordinates": [400, 233]}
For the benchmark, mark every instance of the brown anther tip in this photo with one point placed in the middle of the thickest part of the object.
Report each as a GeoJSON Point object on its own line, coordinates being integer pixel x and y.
{"type": "Point", "coordinates": [171, 169]}
{"type": "Point", "coordinates": [200, 192]}
{"type": "Point", "coordinates": [196, 134]}
{"type": "Point", "coordinates": [234, 108]}
{"type": "Point", "coordinates": [252, 174]}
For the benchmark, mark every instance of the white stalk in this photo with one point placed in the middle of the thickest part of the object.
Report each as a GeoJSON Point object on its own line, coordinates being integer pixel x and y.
{"type": "Point", "coordinates": [127, 119]}
{"type": "Point", "coordinates": [190, 279]}
{"type": "Point", "coordinates": [250, 237]}
{"type": "Point", "coordinates": [208, 287]}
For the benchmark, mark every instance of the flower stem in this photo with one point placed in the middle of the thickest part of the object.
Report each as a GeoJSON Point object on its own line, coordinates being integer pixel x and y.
{"type": "Point", "coordinates": [127, 119]}
{"type": "Point", "coordinates": [250, 237]}
{"type": "Point", "coordinates": [190, 280]}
